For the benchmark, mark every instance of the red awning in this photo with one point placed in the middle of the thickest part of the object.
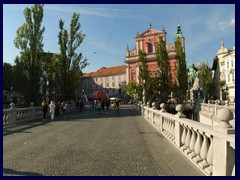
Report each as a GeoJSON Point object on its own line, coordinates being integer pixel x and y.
{"type": "Point", "coordinates": [98, 95]}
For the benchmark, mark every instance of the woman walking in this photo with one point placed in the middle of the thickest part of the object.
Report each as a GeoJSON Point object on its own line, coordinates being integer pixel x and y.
{"type": "Point", "coordinates": [44, 109]}
{"type": "Point", "coordinates": [52, 110]}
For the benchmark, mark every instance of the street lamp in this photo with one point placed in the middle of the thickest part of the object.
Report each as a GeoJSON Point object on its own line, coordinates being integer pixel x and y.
{"type": "Point", "coordinates": [47, 93]}
{"type": "Point", "coordinates": [144, 92]}
{"type": "Point", "coordinates": [227, 93]}
{"type": "Point", "coordinates": [11, 94]}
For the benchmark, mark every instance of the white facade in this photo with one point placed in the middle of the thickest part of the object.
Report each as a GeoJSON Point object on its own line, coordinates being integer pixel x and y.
{"type": "Point", "coordinates": [230, 73]}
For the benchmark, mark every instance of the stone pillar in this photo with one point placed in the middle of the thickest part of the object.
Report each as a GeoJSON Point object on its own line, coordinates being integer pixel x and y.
{"type": "Point", "coordinates": [179, 109]}
{"type": "Point", "coordinates": [32, 109]}
{"type": "Point", "coordinates": [224, 155]}
{"type": "Point", "coordinates": [13, 116]}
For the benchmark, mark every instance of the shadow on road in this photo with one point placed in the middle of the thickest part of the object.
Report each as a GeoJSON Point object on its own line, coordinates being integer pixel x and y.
{"type": "Point", "coordinates": [12, 172]}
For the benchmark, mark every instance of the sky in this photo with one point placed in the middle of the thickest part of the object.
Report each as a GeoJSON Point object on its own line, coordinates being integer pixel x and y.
{"type": "Point", "coordinates": [109, 28]}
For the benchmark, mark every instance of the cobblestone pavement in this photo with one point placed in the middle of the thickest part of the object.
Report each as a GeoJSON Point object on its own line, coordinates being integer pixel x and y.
{"type": "Point", "coordinates": [91, 144]}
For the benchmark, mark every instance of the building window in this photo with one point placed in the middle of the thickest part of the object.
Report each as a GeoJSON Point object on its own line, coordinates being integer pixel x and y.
{"type": "Point", "coordinates": [227, 64]}
{"type": "Point", "coordinates": [131, 76]}
{"type": "Point", "coordinates": [102, 85]}
{"type": "Point", "coordinates": [112, 77]}
{"type": "Point", "coordinates": [107, 90]}
{"type": "Point", "coordinates": [222, 63]}
{"type": "Point", "coordinates": [228, 77]}
{"type": "Point", "coordinates": [119, 78]}
{"type": "Point", "coordinates": [96, 79]}
{"type": "Point", "coordinates": [150, 48]}
{"type": "Point", "coordinates": [107, 78]}
{"type": "Point", "coordinates": [107, 84]}
{"type": "Point", "coordinates": [101, 78]}
{"type": "Point", "coordinates": [113, 84]}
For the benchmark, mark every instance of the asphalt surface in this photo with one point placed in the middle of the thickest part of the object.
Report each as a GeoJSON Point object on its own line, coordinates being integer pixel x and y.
{"type": "Point", "coordinates": [91, 144]}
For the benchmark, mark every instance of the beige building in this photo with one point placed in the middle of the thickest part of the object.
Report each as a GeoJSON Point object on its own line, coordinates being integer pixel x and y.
{"type": "Point", "coordinates": [229, 60]}
{"type": "Point", "coordinates": [224, 72]}
{"type": "Point", "coordinates": [110, 80]}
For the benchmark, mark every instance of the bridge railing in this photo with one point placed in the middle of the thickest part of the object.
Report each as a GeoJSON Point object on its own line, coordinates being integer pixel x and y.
{"type": "Point", "coordinates": [19, 115]}
{"type": "Point", "coordinates": [211, 149]}
{"type": "Point", "coordinates": [211, 112]}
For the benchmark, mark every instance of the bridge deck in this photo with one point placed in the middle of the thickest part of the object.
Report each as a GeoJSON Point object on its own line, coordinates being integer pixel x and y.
{"type": "Point", "coordinates": [87, 143]}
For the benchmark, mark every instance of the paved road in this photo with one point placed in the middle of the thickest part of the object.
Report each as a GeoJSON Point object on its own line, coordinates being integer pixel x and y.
{"type": "Point", "coordinates": [87, 144]}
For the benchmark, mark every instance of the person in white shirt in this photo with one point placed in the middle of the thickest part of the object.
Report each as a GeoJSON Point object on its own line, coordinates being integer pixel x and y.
{"type": "Point", "coordinates": [52, 110]}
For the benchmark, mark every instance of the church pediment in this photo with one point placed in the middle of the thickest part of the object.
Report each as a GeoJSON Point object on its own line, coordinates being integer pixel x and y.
{"type": "Point", "coordinates": [149, 32]}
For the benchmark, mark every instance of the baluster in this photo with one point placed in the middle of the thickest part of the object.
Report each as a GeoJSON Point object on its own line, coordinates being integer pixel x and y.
{"type": "Point", "coordinates": [204, 152]}
{"type": "Point", "coordinates": [172, 131]}
{"type": "Point", "coordinates": [210, 157]}
{"type": "Point", "coordinates": [197, 148]}
{"type": "Point", "coordinates": [187, 141]}
{"type": "Point", "coordinates": [183, 137]}
{"type": "Point", "coordinates": [192, 143]}
{"type": "Point", "coordinates": [164, 125]}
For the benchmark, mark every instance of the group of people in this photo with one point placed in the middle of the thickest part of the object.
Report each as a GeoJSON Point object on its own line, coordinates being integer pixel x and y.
{"type": "Point", "coordinates": [101, 104]}
{"type": "Point", "coordinates": [54, 109]}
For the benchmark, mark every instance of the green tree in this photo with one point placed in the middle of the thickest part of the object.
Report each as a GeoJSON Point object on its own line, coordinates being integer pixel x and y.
{"type": "Point", "coordinates": [70, 63]}
{"type": "Point", "coordinates": [206, 80]}
{"type": "Point", "coordinates": [7, 76]}
{"type": "Point", "coordinates": [28, 39]}
{"type": "Point", "coordinates": [133, 88]}
{"type": "Point", "coordinates": [144, 72]}
{"type": "Point", "coordinates": [182, 77]}
{"type": "Point", "coordinates": [165, 73]}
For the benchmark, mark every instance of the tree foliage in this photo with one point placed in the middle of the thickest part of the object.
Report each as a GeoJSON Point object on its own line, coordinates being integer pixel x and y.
{"type": "Point", "coordinates": [70, 63]}
{"type": "Point", "coordinates": [182, 77]}
{"type": "Point", "coordinates": [7, 76]}
{"type": "Point", "coordinates": [28, 39]}
{"type": "Point", "coordinates": [206, 80]}
{"type": "Point", "coordinates": [133, 88]}
{"type": "Point", "coordinates": [144, 72]}
{"type": "Point", "coordinates": [165, 73]}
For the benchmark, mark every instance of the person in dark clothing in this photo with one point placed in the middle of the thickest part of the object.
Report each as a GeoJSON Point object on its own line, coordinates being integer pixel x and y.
{"type": "Point", "coordinates": [45, 109]}
{"type": "Point", "coordinates": [117, 105]}
{"type": "Point", "coordinates": [107, 105]}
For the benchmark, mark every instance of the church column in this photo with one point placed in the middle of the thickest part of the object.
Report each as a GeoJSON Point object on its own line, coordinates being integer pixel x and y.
{"type": "Point", "coordinates": [137, 73]}
{"type": "Point", "coordinates": [127, 73]}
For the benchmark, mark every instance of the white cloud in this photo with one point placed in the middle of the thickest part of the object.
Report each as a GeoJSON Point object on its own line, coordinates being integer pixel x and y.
{"type": "Point", "coordinates": [227, 24]}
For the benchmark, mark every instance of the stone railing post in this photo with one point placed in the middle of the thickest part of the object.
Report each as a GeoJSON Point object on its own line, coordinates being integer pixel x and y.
{"type": "Point", "coordinates": [226, 103]}
{"type": "Point", "coordinates": [13, 116]}
{"type": "Point", "coordinates": [179, 109]}
{"type": "Point", "coordinates": [32, 109]}
{"type": "Point", "coordinates": [163, 110]}
{"type": "Point", "coordinates": [224, 157]}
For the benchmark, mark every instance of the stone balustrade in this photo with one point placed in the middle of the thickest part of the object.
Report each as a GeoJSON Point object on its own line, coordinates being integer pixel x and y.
{"type": "Point", "coordinates": [19, 115]}
{"type": "Point", "coordinates": [209, 112]}
{"type": "Point", "coordinates": [211, 149]}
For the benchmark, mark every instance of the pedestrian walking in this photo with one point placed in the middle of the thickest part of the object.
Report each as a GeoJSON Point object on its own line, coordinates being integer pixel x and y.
{"type": "Point", "coordinates": [52, 110]}
{"type": "Point", "coordinates": [64, 109]}
{"type": "Point", "coordinates": [117, 106]}
{"type": "Point", "coordinates": [107, 105]}
{"type": "Point", "coordinates": [102, 105]}
{"type": "Point", "coordinates": [44, 109]}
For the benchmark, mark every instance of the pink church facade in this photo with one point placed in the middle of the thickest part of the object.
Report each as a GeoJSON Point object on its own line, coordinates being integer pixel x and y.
{"type": "Point", "coordinates": [147, 42]}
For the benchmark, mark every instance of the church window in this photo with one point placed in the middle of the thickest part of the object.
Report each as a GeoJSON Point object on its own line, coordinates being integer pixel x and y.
{"type": "Point", "coordinates": [150, 48]}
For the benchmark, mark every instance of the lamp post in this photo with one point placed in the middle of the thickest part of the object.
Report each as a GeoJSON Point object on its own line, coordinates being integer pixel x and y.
{"type": "Point", "coordinates": [144, 92]}
{"type": "Point", "coordinates": [227, 93]}
{"type": "Point", "coordinates": [47, 93]}
{"type": "Point", "coordinates": [11, 94]}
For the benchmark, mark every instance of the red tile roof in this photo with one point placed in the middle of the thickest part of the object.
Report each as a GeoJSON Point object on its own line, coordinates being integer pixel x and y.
{"type": "Point", "coordinates": [107, 71]}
